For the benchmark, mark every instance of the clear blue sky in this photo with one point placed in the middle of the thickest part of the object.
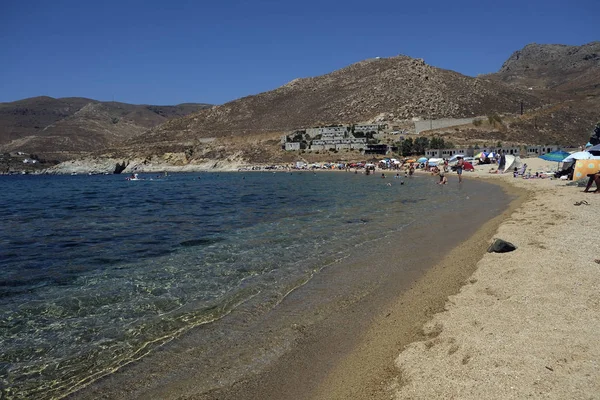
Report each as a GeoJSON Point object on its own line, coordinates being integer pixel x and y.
{"type": "Point", "coordinates": [169, 52]}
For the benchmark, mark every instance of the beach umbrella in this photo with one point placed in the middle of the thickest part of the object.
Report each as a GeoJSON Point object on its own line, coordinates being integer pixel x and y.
{"type": "Point", "coordinates": [410, 160]}
{"type": "Point", "coordinates": [422, 159]}
{"type": "Point", "coordinates": [588, 144]}
{"type": "Point", "coordinates": [580, 155]}
{"type": "Point", "coordinates": [434, 162]}
{"type": "Point", "coordinates": [483, 154]}
{"type": "Point", "coordinates": [556, 156]}
{"type": "Point", "coordinates": [595, 150]}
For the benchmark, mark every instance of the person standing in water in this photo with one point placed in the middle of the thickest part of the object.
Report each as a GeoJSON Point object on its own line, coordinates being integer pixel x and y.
{"type": "Point", "coordinates": [459, 168]}
{"type": "Point", "coordinates": [442, 174]}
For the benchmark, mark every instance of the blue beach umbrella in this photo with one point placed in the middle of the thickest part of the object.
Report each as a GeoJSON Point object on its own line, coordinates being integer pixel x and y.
{"type": "Point", "coordinates": [422, 159]}
{"type": "Point", "coordinates": [595, 150]}
{"type": "Point", "coordinates": [556, 156]}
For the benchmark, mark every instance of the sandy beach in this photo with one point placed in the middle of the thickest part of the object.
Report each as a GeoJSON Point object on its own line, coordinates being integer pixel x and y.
{"type": "Point", "coordinates": [523, 325]}
{"type": "Point", "coordinates": [475, 325]}
{"type": "Point", "coordinates": [526, 323]}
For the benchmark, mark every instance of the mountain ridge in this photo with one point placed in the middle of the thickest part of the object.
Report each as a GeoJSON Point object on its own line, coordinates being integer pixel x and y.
{"type": "Point", "coordinates": [574, 70]}
{"type": "Point", "coordinates": [401, 87]}
{"type": "Point", "coordinates": [554, 84]}
{"type": "Point", "coordinates": [62, 128]}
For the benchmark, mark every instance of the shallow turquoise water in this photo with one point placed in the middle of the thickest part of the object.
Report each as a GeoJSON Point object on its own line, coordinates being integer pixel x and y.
{"type": "Point", "coordinates": [96, 271]}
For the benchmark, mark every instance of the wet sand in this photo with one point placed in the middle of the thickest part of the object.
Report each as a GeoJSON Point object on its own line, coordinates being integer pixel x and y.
{"type": "Point", "coordinates": [368, 371]}
{"type": "Point", "coordinates": [326, 340]}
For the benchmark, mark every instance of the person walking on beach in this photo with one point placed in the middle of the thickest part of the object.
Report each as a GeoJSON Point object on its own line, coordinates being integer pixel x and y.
{"type": "Point", "coordinates": [459, 168]}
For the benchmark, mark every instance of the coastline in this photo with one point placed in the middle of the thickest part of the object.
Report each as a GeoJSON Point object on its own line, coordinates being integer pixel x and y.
{"type": "Point", "coordinates": [365, 284]}
{"type": "Point", "coordinates": [526, 322]}
{"type": "Point", "coordinates": [476, 325]}
{"type": "Point", "coordinates": [368, 372]}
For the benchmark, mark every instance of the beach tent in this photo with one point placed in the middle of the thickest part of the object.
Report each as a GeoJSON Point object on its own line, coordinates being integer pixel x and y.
{"type": "Point", "coordinates": [512, 162]}
{"type": "Point", "coordinates": [467, 166]}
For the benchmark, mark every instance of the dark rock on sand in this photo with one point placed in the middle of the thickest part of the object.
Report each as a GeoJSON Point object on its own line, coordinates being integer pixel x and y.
{"type": "Point", "coordinates": [501, 246]}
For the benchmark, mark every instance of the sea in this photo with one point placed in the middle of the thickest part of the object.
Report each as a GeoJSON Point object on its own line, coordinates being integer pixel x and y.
{"type": "Point", "coordinates": [98, 271]}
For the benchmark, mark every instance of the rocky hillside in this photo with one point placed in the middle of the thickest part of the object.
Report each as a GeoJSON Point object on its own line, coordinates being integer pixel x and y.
{"type": "Point", "coordinates": [574, 70]}
{"type": "Point", "coordinates": [555, 83]}
{"type": "Point", "coordinates": [399, 87]}
{"type": "Point", "coordinates": [67, 127]}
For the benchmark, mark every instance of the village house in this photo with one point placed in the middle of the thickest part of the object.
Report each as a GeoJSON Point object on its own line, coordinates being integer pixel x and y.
{"type": "Point", "coordinates": [448, 153]}
{"type": "Point", "coordinates": [377, 149]}
{"type": "Point", "coordinates": [338, 144]}
{"type": "Point", "coordinates": [470, 152]}
{"type": "Point", "coordinates": [540, 150]}
{"type": "Point", "coordinates": [366, 128]}
{"type": "Point", "coordinates": [329, 131]}
{"type": "Point", "coordinates": [291, 146]}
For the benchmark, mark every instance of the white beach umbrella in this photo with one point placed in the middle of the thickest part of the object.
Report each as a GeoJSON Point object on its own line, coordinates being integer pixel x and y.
{"type": "Point", "coordinates": [581, 155]}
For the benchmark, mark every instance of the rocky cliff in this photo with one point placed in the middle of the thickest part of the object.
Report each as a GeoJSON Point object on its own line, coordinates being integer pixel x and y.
{"type": "Point", "coordinates": [574, 70]}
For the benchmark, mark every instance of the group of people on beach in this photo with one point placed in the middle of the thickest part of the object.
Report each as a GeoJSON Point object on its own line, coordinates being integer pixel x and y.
{"type": "Point", "coordinates": [441, 172]}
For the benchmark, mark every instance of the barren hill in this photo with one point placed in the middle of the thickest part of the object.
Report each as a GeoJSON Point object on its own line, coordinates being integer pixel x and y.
{"type": "Point", "coordinates": [66, 127]}
{"type": "Point", "coordinates": [574, 70]}
{"type": "Point", "coordinates": [401, 87]}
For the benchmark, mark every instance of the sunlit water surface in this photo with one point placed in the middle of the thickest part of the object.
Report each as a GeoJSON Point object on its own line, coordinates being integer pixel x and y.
{"type": "Point", "coordinates": [97, 270]}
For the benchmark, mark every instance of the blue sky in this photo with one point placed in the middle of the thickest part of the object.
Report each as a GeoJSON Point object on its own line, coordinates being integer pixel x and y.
{"type": "Point", "coordinates": [161, 52]}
